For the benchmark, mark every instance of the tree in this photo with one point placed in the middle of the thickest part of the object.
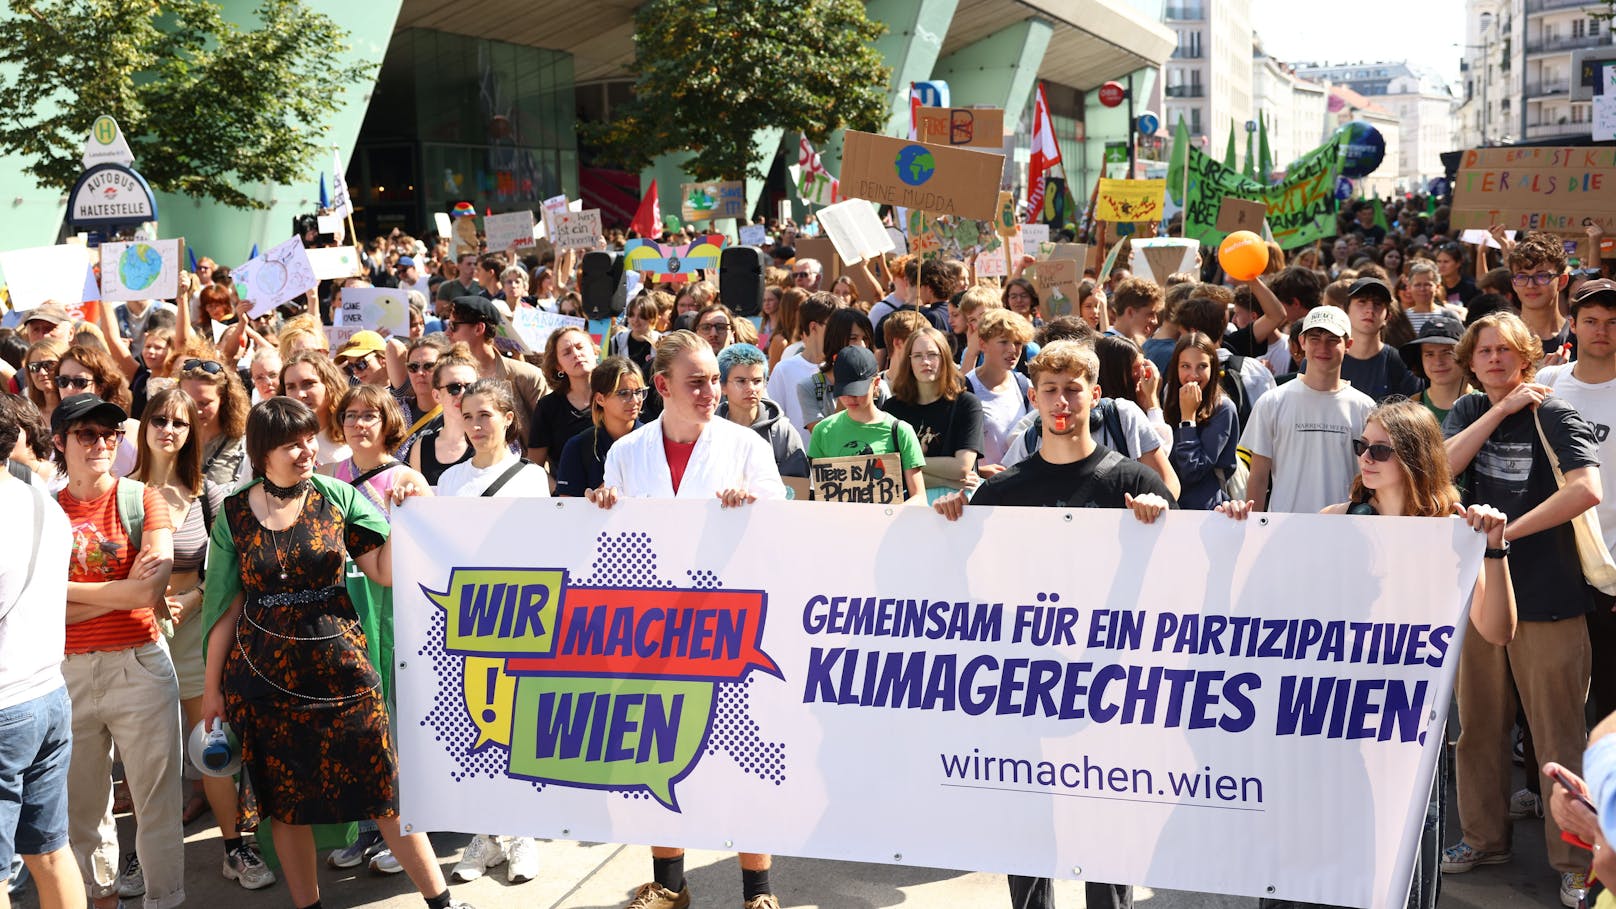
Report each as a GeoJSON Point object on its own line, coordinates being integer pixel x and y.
{"type": "Point", "coordinates": [205, 105]}
{"type": "Point", "coordinates": [710, 74]}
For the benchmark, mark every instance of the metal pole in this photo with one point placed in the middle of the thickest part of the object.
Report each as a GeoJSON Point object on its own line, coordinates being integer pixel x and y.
{"type": "Point", "coordinates": [1133, 139]}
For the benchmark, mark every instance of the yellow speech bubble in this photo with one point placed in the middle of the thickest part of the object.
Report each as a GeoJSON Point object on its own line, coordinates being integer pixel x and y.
{"type": "Point", "coordinates": [490, 696]}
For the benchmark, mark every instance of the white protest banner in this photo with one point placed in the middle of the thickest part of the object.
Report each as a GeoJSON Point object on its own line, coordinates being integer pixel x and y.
{"type": "Point", "coordinates": [1604, 127]}
{"type": "Point", "coordinates": [1476, 236]}
{"type": "Point", "coordinates": [754, 235]}
{"type": "Point", "coordinates": [1034, 235]}
{"type": "Point", "coordinates": [577, 230]}
{"type": "Point", "coordinates": [283, 273]}
{"type": "Point", "coordinates": [141, 270]}
{"type": "Point", "coordinates": [341, 204]}
{"type": "Point", "coordinates": [856, 230]}
{"type": "Point", "coordinates": [504, 231]}
{"type": "Point", "coordinates": [535, 326]}
{"type": "Point", "coordinates": [380, 309]}
{"type": "Point", "coordinates": [551, 207]}
{"type": "Point", "coordinates": [331, 224]}
{"type": "Point", "coordinates": [441, 221]}
{"type": "Point", "coordinates": [62, 273]}
{"type": "Point", "coordinates": [334, 262]}
{"type": "Point", "coordinates": [1275, 684]}
{"type": "Point", "coordinates": [991, 263]}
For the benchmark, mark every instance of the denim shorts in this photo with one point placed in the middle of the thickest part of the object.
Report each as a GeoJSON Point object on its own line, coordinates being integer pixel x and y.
{"type": "Point", "coordinates": [36, 741]}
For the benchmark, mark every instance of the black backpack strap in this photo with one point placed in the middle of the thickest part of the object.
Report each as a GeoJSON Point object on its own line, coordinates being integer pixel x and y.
{"type": "Point", "coordinates": [379, 468]}
{"type": "Point", "coordinates": [505, 477]}
{"type": "Point", "coordinates": [1082, 494]}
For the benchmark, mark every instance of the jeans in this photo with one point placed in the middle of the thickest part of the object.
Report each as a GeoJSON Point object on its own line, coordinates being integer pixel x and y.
{"type": "Point", "coordinates": [35, 748]}
{"type": "Point", "coordinates": [1039, 893]}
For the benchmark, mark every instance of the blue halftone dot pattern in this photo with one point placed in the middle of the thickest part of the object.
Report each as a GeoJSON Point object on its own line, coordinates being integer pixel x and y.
{"type": "Point", "coordinates": [736, 734]}
{"type": "Point", "coordinates": [624, 559]}
{"type": "Point", "coordinates": [449, 719]}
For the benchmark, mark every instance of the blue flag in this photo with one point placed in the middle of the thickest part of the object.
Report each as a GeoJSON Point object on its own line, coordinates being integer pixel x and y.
{"type": "Point", "coordinates": [325, 199]}
{"type": "Point", "coordinates": [254, 254]}
{"type": "Point", "coordinates": [192, 253]}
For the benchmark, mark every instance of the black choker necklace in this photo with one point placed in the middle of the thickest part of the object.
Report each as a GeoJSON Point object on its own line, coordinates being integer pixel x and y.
{"type": "Point", "coordinates": [286, 492]}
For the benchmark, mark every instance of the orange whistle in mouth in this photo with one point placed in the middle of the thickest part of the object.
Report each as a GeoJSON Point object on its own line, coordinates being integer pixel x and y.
{"type": "Point", "coordinates": [1061, 421]}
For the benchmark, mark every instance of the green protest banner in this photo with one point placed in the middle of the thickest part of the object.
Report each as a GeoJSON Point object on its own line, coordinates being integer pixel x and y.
{"type": "Point", "coordinates": [1301, 208]}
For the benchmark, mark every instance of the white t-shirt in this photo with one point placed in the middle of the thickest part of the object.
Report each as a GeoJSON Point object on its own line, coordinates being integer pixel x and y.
{"type": "Point", "coordinates": [1308, 435]}
{"type": "Point", "coordinates": [783, 382]}
{"type": "Point", "coordinates": [1139, 438]}
{"type": "Point", "coordinates": [1597, 404]}
{"type": "Point", "coordinates": [1000, 411]}
{"type": "Point", "coordinates": [464, 479]}
{"type": "Point", "coordinates": [33, 631]}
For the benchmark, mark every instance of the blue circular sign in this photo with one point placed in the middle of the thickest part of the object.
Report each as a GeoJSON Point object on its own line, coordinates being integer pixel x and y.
{"type": "Point", "coordinates": [1148, 124]}
{"type": "Point", "coordinates": [1343, 188]}
{"type": "Point", "coordinates": [1438, 186]}
{"type": "Point", "coordinates": [1362, 148]}
{"type": "Point", "coordinates": [915, 165]}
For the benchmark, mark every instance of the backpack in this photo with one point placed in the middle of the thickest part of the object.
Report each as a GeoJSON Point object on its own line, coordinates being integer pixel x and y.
{"type": "Point", "coordinates": [1232, 385]}
{"type": "Point", "coordinates": [132, 515]}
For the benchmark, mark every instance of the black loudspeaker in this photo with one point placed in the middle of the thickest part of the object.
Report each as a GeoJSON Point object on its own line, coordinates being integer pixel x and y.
{"type": "Point", "coordinates": [740, 279]}
{"type": "Point", "coordinates": [602, 285]}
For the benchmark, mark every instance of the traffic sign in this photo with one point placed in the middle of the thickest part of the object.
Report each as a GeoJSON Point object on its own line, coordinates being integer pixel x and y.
{"type": "Point", "coordinates": [105, 144]}
{"type": "Point", "coordinates": [1148, 123]}
{"type": "Point", "coordinates": [1112, 94]}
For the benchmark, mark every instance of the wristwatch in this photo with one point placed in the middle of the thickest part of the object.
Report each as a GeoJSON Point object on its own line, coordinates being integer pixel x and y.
{"type": "Point", "coordinates": [1186, 424]}
{"type": "Point", "coordinates": [1496, 553]}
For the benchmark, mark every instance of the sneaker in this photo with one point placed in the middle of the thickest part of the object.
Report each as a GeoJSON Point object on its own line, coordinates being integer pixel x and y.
{"type": "Point", "coordinates": [243, 866]}
{"type": "Point", "coordinates": [523, 855]}
{"type": "Point", "coordinates": [483, 853]}
{"type": "Point", "coordinates": [354, 854]}
{"type": "Point", "coordinates": [1524, 804]}
{"type": "Point", "coordinates": [384, 862]}
{"type": "Point", "coordinates": [1573, 888]}
{"type": "Point", "coordinates": [132, 882]}
{"type": "Point", "coordinates": [1517, 754]}
{"type": "Point", "coordinates": [656, 896]}
{"type": "Point", "coordinates": [460, 904]}
{"type": "Point", "coordinates": [19, 877]}
{"type": "Point", "coordinates": [1461, 857]}
{"type": "Point", "coordinates": [763, 901]}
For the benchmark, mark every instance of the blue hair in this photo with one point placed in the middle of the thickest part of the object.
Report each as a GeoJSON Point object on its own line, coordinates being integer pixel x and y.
{"type": "Point", "coordinates": [741, 355]}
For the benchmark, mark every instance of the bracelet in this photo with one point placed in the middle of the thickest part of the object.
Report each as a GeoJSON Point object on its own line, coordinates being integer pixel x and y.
{"type": "Point", "coordinates": [194, 588]}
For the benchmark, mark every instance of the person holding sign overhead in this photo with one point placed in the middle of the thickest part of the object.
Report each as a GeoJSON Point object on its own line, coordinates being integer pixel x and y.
{"type": "Point", "coordinates": [687, 454]}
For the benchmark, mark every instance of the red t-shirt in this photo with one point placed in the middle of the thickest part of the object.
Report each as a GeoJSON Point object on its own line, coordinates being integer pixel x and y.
{"type": "Point", "coordinates": [101, 553]}
{"type": "Point", "coordinates": [678, 459]}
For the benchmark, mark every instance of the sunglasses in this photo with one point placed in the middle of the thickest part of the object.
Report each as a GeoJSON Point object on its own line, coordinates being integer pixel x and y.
{"type": "Point", "coordinates": [1378, 452]}
{"type": "Point", "coordinates": [421, 367]}
{"type": "Point", "coordinates": [802, 274]}
{"type": "Point", "coordinates": [455, 389]}
{"type": "Point", "coordinates": [77, 382]}
{"type": "Point", "coordinates": [91, 437]}
{"type": "Point", "coordinates": [211, 367]}
{"type": "Point", "coordinates": [355, 367]}
{"type": "Point", "coordinates": [170, 423]}
{"type": "Point", "coordinates": [714, 328]}
{"type": "Point", "coordinates": [41, 367]}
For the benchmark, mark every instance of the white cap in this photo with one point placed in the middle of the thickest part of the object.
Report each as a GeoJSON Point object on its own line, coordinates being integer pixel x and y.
{"type": "Point", "coordinates": [1329, 318]}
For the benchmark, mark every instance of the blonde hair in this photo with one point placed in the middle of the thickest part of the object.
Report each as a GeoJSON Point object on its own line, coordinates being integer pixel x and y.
{"type": "Point", "coordinates": [675, 344]}
{"type": "Point", "coordinates": [979, 299]}
{"type": "Point", "coordinates": [1066, 356]}
{"type": "Point", "coordinates": [1513, 331]}
{"type": "Point", "coordinates": [1003, 322]}
{"type": "Point", "coordinates": [1421, 457]}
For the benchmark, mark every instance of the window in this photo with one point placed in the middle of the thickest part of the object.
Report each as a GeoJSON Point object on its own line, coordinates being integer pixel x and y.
{"type": "Point", "coordinates": [1593, 27]}
{"type": "Point", "coordinates": [1577, 27]}
{"type": "Point", "coordinates": [1195, 120]}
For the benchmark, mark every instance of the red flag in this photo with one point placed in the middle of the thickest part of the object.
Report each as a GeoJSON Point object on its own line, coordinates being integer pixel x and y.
{"type": "Point", "coordinates": [1045, 155]}
{"type": "Point", "coordinates": [648, 219]}
{"type": "Point", "coordinates": [914, 113]}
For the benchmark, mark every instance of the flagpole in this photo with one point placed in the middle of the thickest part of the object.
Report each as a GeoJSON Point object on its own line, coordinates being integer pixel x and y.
{"type": "Point", "coordinates": [353, 235]}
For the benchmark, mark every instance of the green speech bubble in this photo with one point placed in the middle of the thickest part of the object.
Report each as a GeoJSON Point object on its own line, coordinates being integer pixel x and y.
{"type": "Point", "coordinates": [500, 611]}
{"type": "Point", "coordinates": [603, 733]}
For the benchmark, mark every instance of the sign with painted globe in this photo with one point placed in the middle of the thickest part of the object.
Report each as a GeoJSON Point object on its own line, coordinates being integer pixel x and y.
{"type": "Point", "coordinates": [915, 165]}
{"type": "Point", "coordinates": [141, 269]}
{"type": "Point", "coordinates": [139, 266]}
{"type": "Point", "coordinates": [940, 180]}
{"type": "Point", "coordinates": [1362, 148]}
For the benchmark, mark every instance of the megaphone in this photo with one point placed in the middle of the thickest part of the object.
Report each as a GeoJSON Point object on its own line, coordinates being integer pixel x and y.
{"type": "Point", "coordinates": [216, 751]}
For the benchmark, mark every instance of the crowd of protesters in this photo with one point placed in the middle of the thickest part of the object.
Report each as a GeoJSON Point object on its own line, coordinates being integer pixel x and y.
{"type": "Point", "coordinates": [210, 493]}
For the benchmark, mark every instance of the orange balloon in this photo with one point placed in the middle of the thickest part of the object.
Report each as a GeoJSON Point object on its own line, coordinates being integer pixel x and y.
{"type": "Point", "coordinates": [1243, 255]}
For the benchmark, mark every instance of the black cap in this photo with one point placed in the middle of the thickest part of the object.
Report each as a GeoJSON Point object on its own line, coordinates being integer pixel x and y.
{"type": "Point", "coordinates": [79, 408]}
{"type": "Point", "coordinates": [784, 252]}
{"type": "Point", "coordinates": [1441, 328]}
{"type": "Point", "coordinates": [477, 309]}
{"type": "Point", "coordinates": [1369, 287]}
{"type": "Point", "coordinates": [1598, 292]}
{"type": "Point", "coordinates": [855, 369]}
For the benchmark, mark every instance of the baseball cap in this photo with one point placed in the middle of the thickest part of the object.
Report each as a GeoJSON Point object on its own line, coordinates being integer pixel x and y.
{"type": "Point", "coordinates": [79, 408]}
{"type": "Point", "coordinates": [476, 309]}
{"type": "Point", "coordinates": [54, 313]}
{"type": "Point", "coordinates": [360, 344]}
{"type": "Point", "coordinates": [1370, 287]}
{"type": "Point", "coordinates": [1441, 328]}
{"type": "Point", "coordinates": [784, 253]}
{"type": "Point", "coordinates": [1328, 318]}
{"type": "Point", "coordinates": [1598, 292]}
{"type": "Point", "coordinates": [406, 262]}
{"type": "Point", "coordinates": [854, 370]}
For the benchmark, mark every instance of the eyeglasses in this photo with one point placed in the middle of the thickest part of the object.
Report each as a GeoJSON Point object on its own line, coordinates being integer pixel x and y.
{"type": "Point", "coordinates": [714, 328]}
{"type": "Point", "coordinates": [361, 416]}
{"type": "Point", "coordinates": [79, 383]}
{"type": "Point", "coordinates": [170, 423]}
{"type": "Point", "coordinates": [91, 437]}
{"type": "Point", "coordinates": [421, 367]}
{"type": "Point", "coordinates": [931, 357]}
{"type": "Point", "coordinates": [625, 395]}
{"type": "Point", "coordinates": [1540, 278]}
{"type": "Point", "coordinates": [211, 367]}
{"type": "Point", "coordinates": [41, 367]}
{"type": "Point", "coordinates": [455, 389]}
{"type": "Point", "coordinates": [1378, 452]}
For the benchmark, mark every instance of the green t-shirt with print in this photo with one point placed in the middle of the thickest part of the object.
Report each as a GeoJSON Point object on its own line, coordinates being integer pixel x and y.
{"type": "Point", "coordinates": [839, 435]}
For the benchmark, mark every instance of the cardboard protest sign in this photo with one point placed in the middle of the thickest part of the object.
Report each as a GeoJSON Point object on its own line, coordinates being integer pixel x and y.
{"type": "Point", "coordinates": [577, 230]}
{"type": "Point", "coordinates": [1005, 225]}
{"type": "Point", "coordinates": [925, 236]}
{"type": "Point", "coordinates": [380, 309]}
{"type": "Point", "coordinates": [992, 263]}
{"type": "Point", "coordinates": [1077, 252]}
{"type": "Point", "coordinates": [855, 230]}
{"type": "Point", "coordinates": [141, 270]}
{"type": "Point", "coordinates": [939, 179]}
{"type": "Point", "coordinates": [871, 479]}
{"type": "Point", "coordinates": [283, 273]}
{"type": "Point", "coordinates": [1056, 280]}
{"type": "Point", "coordinates": [1130, 201]}
{"type": "Point", "coordinates": [973, 127]}
{"type": "Point", "coordinates": [1241, 214]}
{"type": "Point", "coordinates": [713, 199]}
{"type": "Point", "coordinates": [754, 235]}
{"type": "Point", "coordinates": [335, 262]}
{"type": "Point", "coordinates": [1157, 257]}
{"type": "Point", "coordinates": [507, 230]}
{"type": "Point", "coordinates": [822, 251]}
{"type": "Point", "coordinates": [535, 326]}
{"type": "Point", "coordinates": [1559, 190]}
{"type": "Point", "coordinates": [61, 273]}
